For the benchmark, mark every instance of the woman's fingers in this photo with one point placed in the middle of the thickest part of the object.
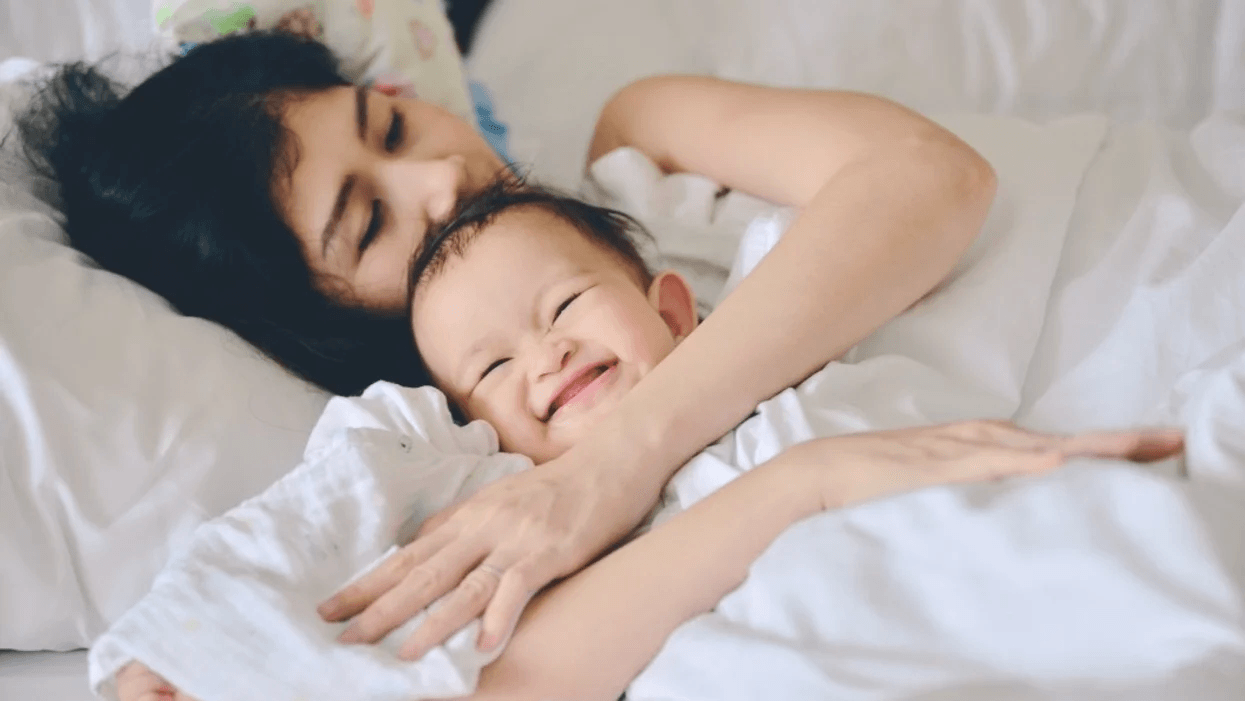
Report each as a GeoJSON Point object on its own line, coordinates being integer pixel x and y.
{"type": "Point", "coordinates": [1144, 445]}
{"type": "Point", "coordinates": [512, 596]}
{"type": "Point", "coordinates": [1138, 446]}
{"type": "Point", "coordinates": [422, 585]}
{"type": "Point", "coordinates": [467, 601]}
{"type": "Point", "coordinates": [361, 593]}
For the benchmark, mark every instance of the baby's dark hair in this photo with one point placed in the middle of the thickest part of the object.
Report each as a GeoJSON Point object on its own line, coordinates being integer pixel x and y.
{"type": "Point", "coordinates": [171, 186]}
{"type": "Point", "coordinates": [616, 232]}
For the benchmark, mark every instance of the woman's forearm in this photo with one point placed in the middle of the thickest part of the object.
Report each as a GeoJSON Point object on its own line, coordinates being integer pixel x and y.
{"type": "Point", "coordinates": [782, 144]}
{"type": "Point", "coordinates": [587, 637]}
{"type": "Point", "coordinates": [881, 233]}
{"type": "Point", "coordinates": [889, 202]}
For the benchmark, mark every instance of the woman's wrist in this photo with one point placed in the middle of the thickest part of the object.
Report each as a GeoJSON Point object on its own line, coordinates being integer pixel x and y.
{"type": "Point", "coordinates": [808, 477]}
{"type": "Point", "coordinates": [635, 444]}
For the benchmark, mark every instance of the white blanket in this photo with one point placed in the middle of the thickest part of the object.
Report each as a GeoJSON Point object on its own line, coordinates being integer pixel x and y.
{"type": "Point", "coordinates": [233, 617]}
{"type": "Point", "coordinates": [1106, 291]}
{"type": "Point", "coordinates": [1106, 277]}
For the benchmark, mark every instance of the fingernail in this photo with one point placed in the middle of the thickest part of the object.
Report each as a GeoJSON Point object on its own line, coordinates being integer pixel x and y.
{"type": "Point", "coordinates": [486, 643]}
{"type": "Point", "coordinates": [327, 609]}
{"type": "Point", "coordinates": [350, 636]}
{"type": "Point", "coordinates": [410, 655]}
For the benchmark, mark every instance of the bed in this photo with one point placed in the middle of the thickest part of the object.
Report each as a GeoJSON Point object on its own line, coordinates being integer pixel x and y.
{"type": "Point", "coordinates": [550, 64]}
{"type": "Point", "coordinates": [57, 676]}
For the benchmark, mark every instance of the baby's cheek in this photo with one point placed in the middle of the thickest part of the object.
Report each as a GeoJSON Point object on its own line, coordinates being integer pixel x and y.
{"type": "Point", "coordinates": [642, 338]}
{"type": "Point", "coordinates": [653, 346]}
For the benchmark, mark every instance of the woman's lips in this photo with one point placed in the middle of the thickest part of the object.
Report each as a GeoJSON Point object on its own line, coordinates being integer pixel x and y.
{"type": "Point", "coordinates": [585, 387]}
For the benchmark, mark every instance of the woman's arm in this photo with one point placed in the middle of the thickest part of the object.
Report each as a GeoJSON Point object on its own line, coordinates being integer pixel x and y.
{"type": "Point", "coordinates": [589, 636]}
{"type": "Point", "coordinates": [782, 144]}
{"type": "Point", "coordinates": [890, 202]}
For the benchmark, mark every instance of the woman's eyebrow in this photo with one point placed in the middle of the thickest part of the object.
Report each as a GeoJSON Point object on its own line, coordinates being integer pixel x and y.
{"type": "Point", "coordinates": [360, 111]}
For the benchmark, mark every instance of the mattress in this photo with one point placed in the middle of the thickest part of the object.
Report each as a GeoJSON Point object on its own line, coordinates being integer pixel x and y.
{"type": "Point", "coordinates": [43, 676]}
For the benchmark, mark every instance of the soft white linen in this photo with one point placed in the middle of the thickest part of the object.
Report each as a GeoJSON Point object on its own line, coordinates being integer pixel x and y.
{"type": "Point", "coordinates": [1101, 581]}
{"type": "Point", "coordinates": [1108, 275]}
{"type": "Point", "coordinates": [123, 425]}
{"type": "Point", "coordinates": [551, 64]}
{"type": "Point", "coordinates": [233, 618]}
{"type": "Point", "coordinates": [69, 30]}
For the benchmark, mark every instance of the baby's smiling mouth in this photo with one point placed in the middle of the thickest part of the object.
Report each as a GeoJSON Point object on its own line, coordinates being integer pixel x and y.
{"type": "Point", "coordinates": [577, 384]}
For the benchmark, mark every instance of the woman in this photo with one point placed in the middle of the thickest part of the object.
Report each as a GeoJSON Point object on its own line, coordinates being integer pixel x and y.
{"type": "Point", "coordinates": [250, 184]}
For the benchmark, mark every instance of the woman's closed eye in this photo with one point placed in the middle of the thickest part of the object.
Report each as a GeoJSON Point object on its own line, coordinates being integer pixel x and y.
{"type": "Point", "coordinates": [396, 134]}
{"type": "Point", "coordinates": [394, 138]}
{"type": "Point", "coordinates": [374, 225]}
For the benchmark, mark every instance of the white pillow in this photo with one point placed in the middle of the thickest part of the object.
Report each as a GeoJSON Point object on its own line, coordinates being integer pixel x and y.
{"type": "Point", "coordinates": [552, 64]}
{"type": "Point", "coordinates": [70, 30]}
{"type": "Point", "coordinates": [401, 45]}
{"type": "Point", "coordinates": [123, 425]}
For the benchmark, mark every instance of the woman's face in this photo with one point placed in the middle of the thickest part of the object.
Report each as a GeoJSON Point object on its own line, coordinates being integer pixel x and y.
{"type": "Point", "coordinates": [371, 172]}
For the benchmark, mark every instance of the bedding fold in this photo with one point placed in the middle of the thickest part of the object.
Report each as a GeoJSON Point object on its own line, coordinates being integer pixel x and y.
{"type": "Point", "coordinates": [233, 617]}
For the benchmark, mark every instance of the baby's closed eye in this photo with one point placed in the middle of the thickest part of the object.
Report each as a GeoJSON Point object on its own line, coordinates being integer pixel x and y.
{"type": "Point", "coordinates": [493, 366]}
{"type": "Point", "coordinates": [566, 303]}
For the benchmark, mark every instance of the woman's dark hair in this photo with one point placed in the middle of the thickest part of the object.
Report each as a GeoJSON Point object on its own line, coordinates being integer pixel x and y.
{"type": "Point", "coordinates": [171, 186]}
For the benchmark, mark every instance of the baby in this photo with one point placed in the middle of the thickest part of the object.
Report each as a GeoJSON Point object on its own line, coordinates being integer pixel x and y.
{"type": "Point", "coordinates": [536, 313]}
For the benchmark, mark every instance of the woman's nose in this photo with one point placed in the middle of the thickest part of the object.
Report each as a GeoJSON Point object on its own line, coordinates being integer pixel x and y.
{"type": "Point", "coordinates": [428, 190]}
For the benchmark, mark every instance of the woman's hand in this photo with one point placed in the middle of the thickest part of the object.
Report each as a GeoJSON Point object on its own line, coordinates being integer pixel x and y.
{"type": "Point", "coordinates": [859, 467]}
{"type": "Point", "coordinates": [494, 551]}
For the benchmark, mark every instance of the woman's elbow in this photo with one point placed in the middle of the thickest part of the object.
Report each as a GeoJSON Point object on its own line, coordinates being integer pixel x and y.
{"type": "Point", "coordinates": [979, 186]}
{"type": "Point", "coordinates": [981, 180]}
{"type": "Point", "coordinates": [968, 182]}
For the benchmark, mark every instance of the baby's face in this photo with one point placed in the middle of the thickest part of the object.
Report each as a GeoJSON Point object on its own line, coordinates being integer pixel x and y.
{"type": "Point", "coordinates": [540, 331]}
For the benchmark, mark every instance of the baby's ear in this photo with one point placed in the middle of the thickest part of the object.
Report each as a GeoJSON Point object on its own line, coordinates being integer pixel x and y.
{"type": "Point", "coordinates": [673, 298]}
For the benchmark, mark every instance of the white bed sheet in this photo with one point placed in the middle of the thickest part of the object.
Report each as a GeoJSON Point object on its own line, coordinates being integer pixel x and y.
{"type": "Point", "coordinates": [44, 676]}
{"type": "Point", "coordinates": [1097, 582]}
{"type": "Point", "coordinates": [66, 30]}
{"type": "Point", "coordinates": [552, 63]}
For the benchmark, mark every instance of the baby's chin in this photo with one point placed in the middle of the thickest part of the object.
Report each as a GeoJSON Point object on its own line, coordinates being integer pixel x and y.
{"type": "Point", "coordinates": [539, 454]}
{"type": "Point", "coordinates": [550, 446]}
